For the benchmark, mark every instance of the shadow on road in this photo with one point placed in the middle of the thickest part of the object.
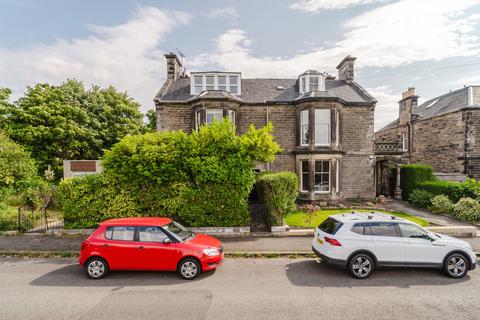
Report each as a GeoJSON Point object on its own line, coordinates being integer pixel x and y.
{"type": "Point", "coordinates": [74, 276]}
{"type": "Point", "coordinates": [311, 273]}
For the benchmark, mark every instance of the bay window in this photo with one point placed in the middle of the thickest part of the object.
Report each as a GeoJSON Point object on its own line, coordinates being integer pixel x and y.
{"type": "Point", "coordinates": [322, 127]}
{"type": "Point", "coordinates": [207, 116]}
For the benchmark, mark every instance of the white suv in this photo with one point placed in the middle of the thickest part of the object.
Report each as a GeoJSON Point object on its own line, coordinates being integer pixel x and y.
{"type": "Point", "coordinates": [363, 241]}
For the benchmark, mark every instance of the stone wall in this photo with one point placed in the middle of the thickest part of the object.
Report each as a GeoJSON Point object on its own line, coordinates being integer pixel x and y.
{"type": "Point", "coordinates": [175, 117]}
{"type": "Point", "coordinates": [355, 148]}
{"type": "Point", "coordinates": [472, 142]}
{"type": "Point", "coordinates": [389, 135]}
{"type": "Point", "coordinates": [440, 142]}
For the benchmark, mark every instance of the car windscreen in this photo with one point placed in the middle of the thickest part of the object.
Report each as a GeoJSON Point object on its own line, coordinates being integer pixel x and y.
{"type": "Point", "coordinates": [330, 226]}
{"type": "Point", "coordinates": [179, 231]}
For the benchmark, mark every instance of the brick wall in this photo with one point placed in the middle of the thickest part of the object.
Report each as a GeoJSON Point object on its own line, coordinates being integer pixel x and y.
{"type": "Point", "coordinates": [472, 142]}
{"type": "Point", "coordinates": [357, 176]}
{"type": "Point", "coordinates": [175, 117]}
{"type": "Point", "coordinates": [439, 142]}
{"type": "Point", "coordinates": [389, 135]}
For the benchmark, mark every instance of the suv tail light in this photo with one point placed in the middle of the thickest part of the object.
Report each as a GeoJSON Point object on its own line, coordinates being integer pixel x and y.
{"type": "Point", "coordinates": [333, 242]}
{"type": "Point", "coordinates": [84, 245]}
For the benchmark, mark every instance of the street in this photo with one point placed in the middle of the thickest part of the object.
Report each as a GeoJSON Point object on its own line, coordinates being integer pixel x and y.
{"type": "Point", "coordinates": [241, 289]}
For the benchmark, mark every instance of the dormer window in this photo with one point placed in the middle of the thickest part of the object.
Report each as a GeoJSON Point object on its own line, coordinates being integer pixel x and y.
{"type": "Point", "coordinates": [311, 81]}
{"type": "Point", "coordinates": [229, 82]}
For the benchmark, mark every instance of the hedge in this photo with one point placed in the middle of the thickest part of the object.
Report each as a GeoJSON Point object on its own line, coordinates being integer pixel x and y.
{"type": "Point", "coordinates": [201, 179]}
{"type": "Point", "coordinates": [453, 190]}
{"type": "Point", "coordinates": [413, 174]}
{"type": "Point", "coordinates": [278, 191]}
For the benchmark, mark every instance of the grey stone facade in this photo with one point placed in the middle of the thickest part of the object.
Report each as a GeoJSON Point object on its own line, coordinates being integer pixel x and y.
{"type": "Point", "coordinates": [443, 132]}
{"type": "Point", "coordinates": [350, 148]}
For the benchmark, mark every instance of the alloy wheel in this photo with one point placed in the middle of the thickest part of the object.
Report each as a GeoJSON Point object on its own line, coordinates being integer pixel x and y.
{"type": "Point", "coordinates": [456, 266]}
{"type": "Point", "coordinates": [189, 269]}
{"type": "Point", "coordinates": [96, 269]}
{"type": "Point", "coordinates": [361, 266]}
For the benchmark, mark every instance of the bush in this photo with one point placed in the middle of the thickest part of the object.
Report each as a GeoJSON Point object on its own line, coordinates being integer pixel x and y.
{"type": "Point", "coordinates": [467, 209]}
{"type": "Point", "coordinates": [420, 198]}
{"type": "Point", "coordinates": [453, 190]}
{"type": "Point", "coordinates": [87, 201]}
{"type": "Point", "coordinates": [201, 179]}
{"type": "Point", "coordinates": [278, 191]}
{"type": "Point", "coordinates": [8, 218]}
{"type": "Point", "coordinates": [441, 204]}
{"type": "Point", "coordinates": [411, 175]}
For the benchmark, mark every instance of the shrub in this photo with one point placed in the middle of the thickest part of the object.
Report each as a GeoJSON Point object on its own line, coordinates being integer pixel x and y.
{"type": "Point", "coordinates": [8, 218]}
{"type": "Point", "coordinates": [467, 209]}
{"type": "Point", "coordinates": [88, 200]}
{"type": "Point", "coordinates": [420, 198]}
{"type": "Point", "coordinates": [279, 192]}
{"type": "Point", "coordinates": [201, 179]}
{"type": "Point", "coordinates": [411, 175]}
{"type": "Point", "coordinates": [441, 204]}
{"type": "Point", "coordinates": [453, 190]}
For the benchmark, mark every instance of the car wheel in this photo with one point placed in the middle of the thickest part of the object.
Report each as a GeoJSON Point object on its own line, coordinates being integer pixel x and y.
{"type": "Point", "coordinates": [96, 268]}
{"type": "Point", "coordinates": [456, 266]}
{"type": "Point", "coordinates": [361, 266]}
{"type": "Point", "coordinates": [189, 268]}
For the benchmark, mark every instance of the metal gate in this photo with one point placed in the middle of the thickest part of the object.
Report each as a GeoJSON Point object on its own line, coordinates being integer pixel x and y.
{"type": "Point", "coordinates": [258, 213]}
{"type": "Point", "coordinates": [31, 221]}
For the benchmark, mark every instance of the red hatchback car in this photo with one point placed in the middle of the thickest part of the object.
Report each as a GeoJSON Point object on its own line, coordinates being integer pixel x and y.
{"type": "Point", "coordinates": [149, 244]}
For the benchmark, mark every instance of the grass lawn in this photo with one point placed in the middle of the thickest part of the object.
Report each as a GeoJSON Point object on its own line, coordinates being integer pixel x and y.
{"type": "Point", "coordinates": [299, 218]}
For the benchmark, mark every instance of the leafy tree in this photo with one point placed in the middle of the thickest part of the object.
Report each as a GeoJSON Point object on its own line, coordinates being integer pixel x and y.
{"type": "Point", "coordinates": [151, 125]}
{"type": "Point", "coordinates": [68, 122]}
{"type": "Point", "coordinates": [16, 166]}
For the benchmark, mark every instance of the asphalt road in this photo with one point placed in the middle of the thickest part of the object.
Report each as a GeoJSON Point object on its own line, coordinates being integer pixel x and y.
{"type": "Point", "coordinates": [241, 289]}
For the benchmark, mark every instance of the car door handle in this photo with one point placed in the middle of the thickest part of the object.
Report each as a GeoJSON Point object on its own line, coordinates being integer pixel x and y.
{"type": "Point", "coordinates": [105, 245]}
{"type": "Point", "coordinates": [140, 247]}
{"type": "Point", "coordinates": [438, 245]}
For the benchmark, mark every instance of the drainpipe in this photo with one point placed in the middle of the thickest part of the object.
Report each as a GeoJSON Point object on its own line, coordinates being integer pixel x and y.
{"type": "Point", "coordinates": [268, 163]}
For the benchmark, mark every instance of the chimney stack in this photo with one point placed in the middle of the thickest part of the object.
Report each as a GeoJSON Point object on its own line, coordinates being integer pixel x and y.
{"type": "Point", "coordinates": [407, 105]}
{"type": "Point", "coordinates": [346, 68]}
{"type": "Point", "coordinates": [174, 66]}
{"type": "Point", "coordinates": [409, 93]}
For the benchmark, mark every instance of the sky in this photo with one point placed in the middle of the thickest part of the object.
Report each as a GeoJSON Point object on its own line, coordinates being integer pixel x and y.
{"type": "Point", "coordinates": [433, 45]}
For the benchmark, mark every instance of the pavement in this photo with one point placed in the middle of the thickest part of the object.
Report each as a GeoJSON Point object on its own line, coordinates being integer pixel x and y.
{"type": "Point", "coordinates": [240, 289]}
{"type": "Point", "coordinates": [231, 245]}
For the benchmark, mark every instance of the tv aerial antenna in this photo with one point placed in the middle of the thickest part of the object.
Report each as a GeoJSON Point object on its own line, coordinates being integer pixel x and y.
{"type": "Point", "coordinates": [182, 58]}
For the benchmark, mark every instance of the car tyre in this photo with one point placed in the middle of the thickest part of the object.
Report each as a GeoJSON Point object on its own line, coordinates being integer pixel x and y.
{"type": "Point", "coordinates": [189, 269]}
{"type": "Point", "coordinates": [456, 266]}
{"type": "Point", "coordinates": [96, 268]}
{"type": "Point", "coordinates": [361, 266]}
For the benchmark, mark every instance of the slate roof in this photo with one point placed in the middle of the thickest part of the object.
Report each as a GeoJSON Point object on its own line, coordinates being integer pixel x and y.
{"type": "Point", "coordinates": [272, 90]}
{"type": "Point", "coordinates": [446, 103]}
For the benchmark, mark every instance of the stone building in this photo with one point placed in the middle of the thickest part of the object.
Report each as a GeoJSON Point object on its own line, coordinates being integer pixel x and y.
{"type": "Point", "coordinates": [443, 132]}
{"type": "Point", "coordinates": [323, 124]}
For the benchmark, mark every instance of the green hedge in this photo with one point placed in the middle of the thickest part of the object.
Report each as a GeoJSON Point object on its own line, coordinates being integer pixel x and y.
{"type": "Point", "coordinates": [413, 174]}
{"type": "Point", "coordinates": [278, 191]}
{"type": "Point", "coordinates": [200, 179]}
{"type": "Point", "coordinates": [453, 190]}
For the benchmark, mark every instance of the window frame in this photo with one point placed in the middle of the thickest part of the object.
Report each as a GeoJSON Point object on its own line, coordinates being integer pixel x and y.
{"type": "Point", "coordinates": [302, 173]}
{"type": "Point", "coordinates": [318, 111]}
{"type": "Point", "coordinates": [394, 224]}
{"type": "Point", "coordinates": [229, 86]}
{"type": "Point", "coordinates": [307, 124]}
{"type": "Point", "coordinates": [321, 173]}
{"type": "Point", "coordinates": [212, 111]}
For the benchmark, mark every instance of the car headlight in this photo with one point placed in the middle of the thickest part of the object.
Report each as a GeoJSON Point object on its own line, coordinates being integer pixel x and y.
{"type": "Point", "coordinates": [211, 252]}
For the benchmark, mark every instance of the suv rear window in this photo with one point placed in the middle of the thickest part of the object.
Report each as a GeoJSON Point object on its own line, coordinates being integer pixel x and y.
{"type": "Point", "coordinates": [330, 226]}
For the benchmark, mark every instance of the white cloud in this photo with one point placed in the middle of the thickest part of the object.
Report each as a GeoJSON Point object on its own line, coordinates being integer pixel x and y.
{"type": "Point", "coordinates": [226, 13]}
{"type": "Point", "coordinates": [386, 109]}
{"type": "Point", "coordinates": [321, 5]}
{"type": "Point", "coordinates": [391, 35]}
{"type": "Point", "coordinates": [469, 79]}
{"type": "Point", "coordinates": [125, 55]}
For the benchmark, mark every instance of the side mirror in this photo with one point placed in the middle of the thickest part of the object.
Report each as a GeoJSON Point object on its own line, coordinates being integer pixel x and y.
{"type": "Point", "coordinates": [429, 237]}
{"type": "Point", "coordinates": [167, 240]}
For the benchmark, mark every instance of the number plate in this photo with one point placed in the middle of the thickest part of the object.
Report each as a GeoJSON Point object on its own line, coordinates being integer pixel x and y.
{"type": "Point", "coordinates": [320, 241]}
